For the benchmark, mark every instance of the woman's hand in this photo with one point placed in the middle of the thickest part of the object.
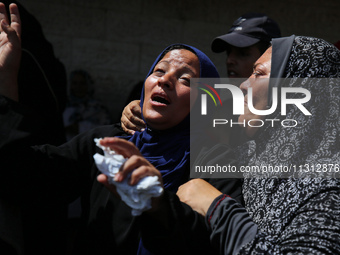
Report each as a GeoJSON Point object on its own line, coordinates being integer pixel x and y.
{"type": "Point", "coordinates": [136, 164]}
{"type": "Point", "coordinates": [131, 119]}
{"type": "Point", "coordinates": [10, 51]}
{"type": "Point", "coordinates": [198, 194]}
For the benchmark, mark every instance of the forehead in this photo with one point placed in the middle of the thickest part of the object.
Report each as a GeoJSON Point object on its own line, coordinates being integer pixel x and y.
{"type": "Point", "coordinates": [266, 56]}
{"type": "Point", "coordinates": [180, 56]}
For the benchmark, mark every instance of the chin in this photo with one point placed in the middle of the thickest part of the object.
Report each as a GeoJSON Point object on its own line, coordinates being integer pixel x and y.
{"type": "Point", "coordinates": [250, 131]}
{"type": "Point", "coordinates": [241, 118]}
{"type": "Point", "coordinates": [155, 123]}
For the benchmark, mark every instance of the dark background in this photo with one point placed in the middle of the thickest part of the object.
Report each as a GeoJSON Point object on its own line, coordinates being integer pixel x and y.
{"type": "Point", "coordinates": [118, 40]}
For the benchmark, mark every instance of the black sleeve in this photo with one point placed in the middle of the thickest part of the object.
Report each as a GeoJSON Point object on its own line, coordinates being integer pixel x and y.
{"type": "Point", "coordinates": [40, 180]}
{"type": "Point", "coordinates": [184, 230]}
{"type": "Point", "coordinates": [314, 228]}
{"type": "Point", "coordinates": [231, 225]}
{"type": "Point", "coordinates": [177, 229]}
{"type": "Point", "coordinates": [59, 173]}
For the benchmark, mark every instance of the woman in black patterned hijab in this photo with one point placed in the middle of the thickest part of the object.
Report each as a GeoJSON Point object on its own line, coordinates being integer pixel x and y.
{"type": "Point", "coordinates": [311, 64]}
{"type": "Point", "coordinates": [284, 213]}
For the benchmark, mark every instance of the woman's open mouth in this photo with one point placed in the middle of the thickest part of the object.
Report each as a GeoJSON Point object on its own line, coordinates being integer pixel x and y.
{"type": "Point", "coordinates": [160, 99]}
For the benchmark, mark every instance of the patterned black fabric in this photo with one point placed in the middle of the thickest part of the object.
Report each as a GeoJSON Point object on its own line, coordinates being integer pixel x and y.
{"type": "Point", "coordinates": [295, 214]}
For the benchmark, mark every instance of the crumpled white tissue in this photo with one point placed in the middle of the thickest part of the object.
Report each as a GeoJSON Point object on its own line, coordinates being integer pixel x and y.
{"type": "Point", "coordinates": [138, 197]}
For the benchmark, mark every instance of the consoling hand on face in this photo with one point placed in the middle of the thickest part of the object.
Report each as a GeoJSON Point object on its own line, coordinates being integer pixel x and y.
{"type": "Point", "coordinates": [131, 119]}
{"type": "Point", "coordinates": [71, 172]}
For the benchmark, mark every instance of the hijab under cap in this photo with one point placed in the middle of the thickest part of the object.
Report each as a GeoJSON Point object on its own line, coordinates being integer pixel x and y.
{"type": "Point", "coordinates": [169, 150]}
{"type": "Point", "coordinates": [275, 203]}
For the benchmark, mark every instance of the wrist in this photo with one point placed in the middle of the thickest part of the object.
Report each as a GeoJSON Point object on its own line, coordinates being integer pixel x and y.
{"type": "Point", "coordinates": [208, 201]}
{"type": "Point", "coordinates": [213, 206]}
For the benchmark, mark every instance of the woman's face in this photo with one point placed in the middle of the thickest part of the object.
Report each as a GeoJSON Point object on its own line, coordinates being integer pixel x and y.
{"type": "Point", "coordinates": [259, 85]}
{"type": "Point", "coordinates": [167, 90]}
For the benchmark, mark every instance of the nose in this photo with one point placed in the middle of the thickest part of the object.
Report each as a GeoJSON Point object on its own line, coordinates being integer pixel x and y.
{"type": "Point", "coordinates": [231, 59]}
{"type": "Point", "coordinates": [167, 80]}
{"type": "Point", "coordinates": [244, 86]}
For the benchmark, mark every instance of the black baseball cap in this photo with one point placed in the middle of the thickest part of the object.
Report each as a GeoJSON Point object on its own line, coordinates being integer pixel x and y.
{"type": "Point", "coordinates": [247, 30]}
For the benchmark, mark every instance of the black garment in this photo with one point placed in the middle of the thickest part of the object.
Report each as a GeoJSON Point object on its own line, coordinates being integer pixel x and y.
{"type": "Point", "coordinates": [188, 233]}
{"type": "Point", "coordinates": [42, 80]}
{"type": "Point", "coordinates": [42, 87]}
{"type": "Point", "coordinates": [294, 214]}
{"type": "Point", "coordinates": [61, 174]}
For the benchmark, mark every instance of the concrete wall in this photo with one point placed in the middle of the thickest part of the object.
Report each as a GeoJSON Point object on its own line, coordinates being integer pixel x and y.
{"type": "Point", "coordinates": [118, 40]}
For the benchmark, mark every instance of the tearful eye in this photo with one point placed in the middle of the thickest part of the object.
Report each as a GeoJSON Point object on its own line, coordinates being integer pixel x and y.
{"type": "Point", "coordinates": [186, 80]}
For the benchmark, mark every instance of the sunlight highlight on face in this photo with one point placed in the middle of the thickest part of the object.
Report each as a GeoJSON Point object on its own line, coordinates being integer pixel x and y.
{"type": "Point", "coordinates": [167, 89]}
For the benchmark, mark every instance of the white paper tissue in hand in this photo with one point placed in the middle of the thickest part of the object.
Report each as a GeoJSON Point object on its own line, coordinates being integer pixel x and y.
{"type": "Point", "coordinates": [138, 197]}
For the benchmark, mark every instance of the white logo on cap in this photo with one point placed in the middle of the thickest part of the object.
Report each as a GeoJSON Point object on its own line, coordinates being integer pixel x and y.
{"type": "Point", "coordinates": [239, 21]}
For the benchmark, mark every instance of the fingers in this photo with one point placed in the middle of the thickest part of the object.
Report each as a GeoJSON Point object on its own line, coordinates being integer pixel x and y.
{"type": "Point", "coordinates": [4, 26]}
{"type": "Point", "coordinates": [129, 166]}
{"type": "Point", "coordinates": [120, 146]}
{"type": "Point", "coordinates": [15, 23]}
{"type": "Point", "coordinates": [136, 164]}
{"type": "Point", "coordinates": [136, 111]}
{"type": "Point", "coordinates": [3, 14]}
{"type": "Point", "coordinates": [15, 18]}
{"type": "Point", "coordinates": [127, 126]}
{"type": "Point", "coordinates": [131, 119]}
{"type": "Point", "coordinates": [139, 168]}
{"type": "Point", "coordinates": [103, 179]}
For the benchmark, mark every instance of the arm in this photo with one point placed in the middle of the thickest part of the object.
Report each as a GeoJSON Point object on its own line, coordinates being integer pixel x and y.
{"type": "Point", "coordinates": [131, 119]}
{"type": "Point", "coordinates": [186, 232]}
{"type": "Point", "coordinates": [18, 160]}
{"type": "Point", "coordinates": [313, 226]}
{"type": "Point", "coordinates": [198, 194]}
{"type": "Point", "coordinates": [171, 226]}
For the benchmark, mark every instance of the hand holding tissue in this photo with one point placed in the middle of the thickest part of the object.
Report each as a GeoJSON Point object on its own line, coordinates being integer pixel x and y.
{"type": "Point", "coordinates": [138, 196]}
